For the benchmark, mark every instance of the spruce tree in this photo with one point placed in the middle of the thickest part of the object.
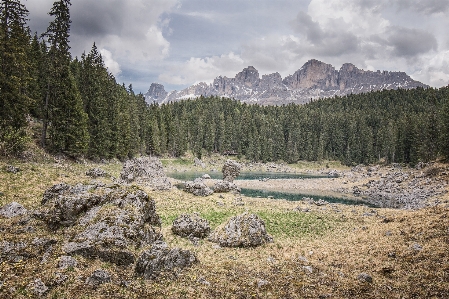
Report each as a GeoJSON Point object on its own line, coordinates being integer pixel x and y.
{"type": "Point", "coordinates": [63, 109]}
{"type": "Point", "coordinates": [14, 75]}
{"type": "Point", "coordinates": [93, 77]}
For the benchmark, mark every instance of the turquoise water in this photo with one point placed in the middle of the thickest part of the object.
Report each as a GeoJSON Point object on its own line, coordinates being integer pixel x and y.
{"type": "Point", "coordinates": [190, 175]}
{"type": "Point", "coordinates": [299, 197]}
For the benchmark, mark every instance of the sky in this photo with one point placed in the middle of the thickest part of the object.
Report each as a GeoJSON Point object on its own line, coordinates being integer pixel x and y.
{"type": "Point", "coordinates": [178, 43]}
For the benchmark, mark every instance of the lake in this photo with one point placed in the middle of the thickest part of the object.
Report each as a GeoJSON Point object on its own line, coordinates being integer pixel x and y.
{"type": "Point", "coordinates": [191, 175]}
{"type": "Point", "coordinates": [299, 197]}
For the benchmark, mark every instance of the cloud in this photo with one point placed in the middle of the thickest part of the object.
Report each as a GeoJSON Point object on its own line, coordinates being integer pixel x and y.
{"type": "Point", "coordinates": [435, 70]}
{"type": "Point", "coordinates": [311, 29]}
{"type": "Point", "coordinates": [112, 65]}
{"type": "Point", "coordinates": [132, 30]}
{"type": "Point", "coordinates": [426, 7]}
{"type": "Point", "coordinates": [181, 42]}
{"type": "Point", "coordinates": [411, 42]}
{"type": "Point", "coordinates": [203, 69]}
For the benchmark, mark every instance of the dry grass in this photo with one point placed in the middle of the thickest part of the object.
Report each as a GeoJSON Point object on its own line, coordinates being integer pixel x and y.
{"type": "Point", "coordinates": [338, 242]}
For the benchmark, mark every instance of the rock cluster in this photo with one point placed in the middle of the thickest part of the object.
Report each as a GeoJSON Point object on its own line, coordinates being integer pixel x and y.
{"type": "Point", "coordinates": [159, 257]}
{"type": "Point", "coordinates": [198, 162]}
{"type": "Point", "coordinates": [397, 188]}
{"type": "Point", "coordinates": [98, 277]}
{"type": "Point", "coordinates": [245, 230]}
{"type": "Point", "coordinates": [12, 209]}
{"type": "Point", "coordinates": [191, 226]}
{"type": "Point", "coordinates": [12, 169]}
{"type": "Point", "coordinates": [96, 172]}
{"type": "Point", "coordinates": [230, 170]}
{"type": "Point", "coordinates": [146, 171]}
{"type": "Point", "coordinates": [198, 188]}
{"type": "Point", "coordinates": [225, 186]}
{"type": "Point", "coordinates": [111, 223]}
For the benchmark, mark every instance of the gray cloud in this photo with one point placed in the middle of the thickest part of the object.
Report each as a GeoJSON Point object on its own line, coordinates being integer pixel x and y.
{"type": "Point", "coordinates": [411, 42]}
{"type": "Point", "coordinates": [179, 42]}
{"type": "Point", "coordinates": [333, 42]}
{"type": "Point", "coordinates": [426, 7]}
{"type": "Point", "coordinates": [303, 24]}
{"type": "Point", "coordinates": [97, 18]}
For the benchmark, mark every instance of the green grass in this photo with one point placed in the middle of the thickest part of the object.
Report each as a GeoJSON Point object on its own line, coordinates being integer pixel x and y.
{"type": "Point", "coordinates": [296, 225]}
{"type": "Point", "coordinates": [177, 162]}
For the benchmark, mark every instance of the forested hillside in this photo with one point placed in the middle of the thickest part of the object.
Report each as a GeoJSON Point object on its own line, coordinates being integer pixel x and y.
{"type": "Point", "coordinates": [84, 111]}
{"type": "Point", "coordinates": [404, 126]}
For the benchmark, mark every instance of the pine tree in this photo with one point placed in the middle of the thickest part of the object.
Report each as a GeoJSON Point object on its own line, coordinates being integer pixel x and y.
{"type": "Point", "coordinates": [63, 109]}
{"type": "Point", "coordinates": [92, 82]}
{"type": "Point", "coordinates": [14, 75]}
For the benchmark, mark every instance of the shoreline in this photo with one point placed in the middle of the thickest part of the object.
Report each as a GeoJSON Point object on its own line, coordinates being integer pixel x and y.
{"type": "Point", "coordinates": [390, 186]}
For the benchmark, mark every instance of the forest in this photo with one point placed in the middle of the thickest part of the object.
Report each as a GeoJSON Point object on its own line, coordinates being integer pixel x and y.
{"type": "Point", "coordinates": [84, 111]}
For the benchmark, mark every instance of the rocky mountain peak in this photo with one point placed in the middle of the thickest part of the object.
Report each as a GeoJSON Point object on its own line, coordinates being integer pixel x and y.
{"type": "Point", "coordinates": [249, 76]}
{"type": "Point", "coordinates": [348, 67]}
{"type": "Point", "coordinates": [314, 73]}
{"type": "Point", "coordinates": [315, 79]}
{"type": "Point", "coordinates": [156, 92]}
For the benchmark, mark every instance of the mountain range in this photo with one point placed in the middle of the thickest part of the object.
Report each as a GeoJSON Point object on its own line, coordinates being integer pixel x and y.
{"type": "Point", "coordinates": [315, 79]}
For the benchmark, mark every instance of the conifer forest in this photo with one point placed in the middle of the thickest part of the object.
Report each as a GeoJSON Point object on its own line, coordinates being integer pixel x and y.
{"type": "Point", "coordinates": [84, 111]}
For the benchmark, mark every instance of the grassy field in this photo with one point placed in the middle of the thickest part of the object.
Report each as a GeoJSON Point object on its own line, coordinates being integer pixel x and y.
{"type": "Point", "coordinates": [315, 254]}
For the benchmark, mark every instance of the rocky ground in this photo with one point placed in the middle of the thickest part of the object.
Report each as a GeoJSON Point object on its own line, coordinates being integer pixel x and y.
{"type": "Point", "coordinates": [112, 230]}
{"type": "Point", "coordinates": [392, 186]}
{"type": "Point", "coordinates": [384, 186]}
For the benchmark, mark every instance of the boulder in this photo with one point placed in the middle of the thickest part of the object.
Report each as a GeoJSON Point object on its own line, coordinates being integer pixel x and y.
{"type": "Point", "coordinates": [67, 261]}
{"type": "Point", "coordinates": [198, 188]}
{"type": "Point", "coordinates": [128, 221]}
{"type": "Point", "coordinates": [191, 226]}
{"type": "Point", "coordinates": [12, 169]}
{"type": "Point", "coordinates": [198, 162]}
{"type": "Point", "coordinates": [12, 209]}
{"type": "Point", "coordinates": [245, 230]}
{"type": "Point", "coordinates": [38, 288]}
{"type": "Point", "coordinates": [159, 257]}
{"type": "Point", "coordinates": [230, 170]}
{"type": "Point", "coordinates": [96, 172]}
{"type": "Point", "coordinates": [364, 277]}
{"type": "Point", "coordinates": [225, 186]}
{"type": "Point", "coordinates": [147, 171]}
{"type": "Point", "coordinates": [98, 277]}
{"type": "Point", "coordinates": [62, 203]}
{"type": "Point", "coordinates": [109, 219]}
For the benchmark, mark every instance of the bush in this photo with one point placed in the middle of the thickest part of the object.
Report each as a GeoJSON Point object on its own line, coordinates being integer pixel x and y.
{"type": "Point", "coordinates": [12, 141]}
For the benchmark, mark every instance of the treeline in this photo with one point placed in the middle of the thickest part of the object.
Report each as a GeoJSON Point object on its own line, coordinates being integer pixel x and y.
{"type": "Point", "coordinates": [404, 126]}
{"type": "Point", "coordinates": [84, 111]}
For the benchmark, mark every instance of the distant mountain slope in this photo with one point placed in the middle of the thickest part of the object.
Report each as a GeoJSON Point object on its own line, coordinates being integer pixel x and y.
{"type": "Point", "coordinates": [313, 80]}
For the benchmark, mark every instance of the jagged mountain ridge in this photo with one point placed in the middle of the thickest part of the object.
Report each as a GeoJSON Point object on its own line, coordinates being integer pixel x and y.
{"type": "Point", "coordinates": [313, 80]}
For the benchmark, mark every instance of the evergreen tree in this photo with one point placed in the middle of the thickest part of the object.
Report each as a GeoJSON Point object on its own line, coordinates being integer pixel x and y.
{"type": "Point", "coordinates": [14, 75]}
{"type": "Point", "coordinates": [92, 82]}
{"type": "Point", "coordinates": [63, 109]}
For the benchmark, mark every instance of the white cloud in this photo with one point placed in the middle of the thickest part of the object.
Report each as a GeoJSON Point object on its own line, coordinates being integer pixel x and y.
{"type": "Point", "coordinates": [435, 69]}
{"type": "Point", "coordinates": [203, 69]}
{"type": "Point", "coordinates": [365, 33]}
{"type": "Point", "coordinates": [395, 35]}
{"type": "Point", "coordinates": [112, 65]}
